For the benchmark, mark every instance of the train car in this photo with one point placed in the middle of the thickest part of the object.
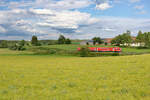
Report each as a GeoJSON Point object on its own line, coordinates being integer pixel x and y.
{"type": "Point", "coordinates": [103, 49]}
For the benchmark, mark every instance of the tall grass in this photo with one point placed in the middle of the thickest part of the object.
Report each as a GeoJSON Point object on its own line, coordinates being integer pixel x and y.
{"type": "Point", "coordinates": [74, 78]}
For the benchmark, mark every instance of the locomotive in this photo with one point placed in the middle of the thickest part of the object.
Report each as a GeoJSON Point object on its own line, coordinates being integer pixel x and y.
{"type": "Point", "coordinates": [104, 49]}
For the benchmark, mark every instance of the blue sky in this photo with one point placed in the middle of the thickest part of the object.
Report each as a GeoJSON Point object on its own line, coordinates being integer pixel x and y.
{"type": "Point", "coordinates": [76, 19]}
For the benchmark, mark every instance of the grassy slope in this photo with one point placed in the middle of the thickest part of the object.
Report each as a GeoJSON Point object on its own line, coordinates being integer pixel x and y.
{"type": "Point", "coordinates": [74, 78]}
{"type": "Point", "coordinates": [12, 52]}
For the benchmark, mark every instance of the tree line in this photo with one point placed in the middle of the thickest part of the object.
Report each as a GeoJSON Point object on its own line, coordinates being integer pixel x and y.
{"type": "Point", "coordinates": [61, 40]}
{"type": "Point", "coordinates": [125, 39]}
{"type": "Point", "coordinates": [21, 45]}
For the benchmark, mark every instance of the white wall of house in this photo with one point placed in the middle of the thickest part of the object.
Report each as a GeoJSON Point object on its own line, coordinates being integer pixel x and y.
{"type": "Point", "coordinates": [85, 43]}
{"type": "Point", "coordinates": [133, 44]}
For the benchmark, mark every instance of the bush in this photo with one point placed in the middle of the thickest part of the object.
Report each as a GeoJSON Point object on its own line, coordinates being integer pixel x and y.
{"type": "Point", "coordinates": [84, 52]}
{"type": "Point", "coordinates": [17, 47]}
{"type": "Point", "coordinates": [106, 43]}
{"type": "Point", "coordinates": [3, 44]}
{"type": "Point", "coordinates": [56, 51]}
{"type": "Point", "coordinates": [45, 50]}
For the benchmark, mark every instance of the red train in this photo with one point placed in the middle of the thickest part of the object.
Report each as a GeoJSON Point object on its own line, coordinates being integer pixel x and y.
{"type": "Point", "coordinates": [104, 49]}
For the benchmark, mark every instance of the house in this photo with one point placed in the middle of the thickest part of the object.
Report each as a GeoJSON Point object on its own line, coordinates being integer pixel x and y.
{"type": "Point", "coordinates": [134, 44]}
{"type": "Point", "coordinates": [90, 42]}
{"type": "Point", "coordinates": [107, 40]}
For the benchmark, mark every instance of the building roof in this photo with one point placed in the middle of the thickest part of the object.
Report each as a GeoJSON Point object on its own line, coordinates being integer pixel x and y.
{"type": "Point", "coordinates": [107, 40]}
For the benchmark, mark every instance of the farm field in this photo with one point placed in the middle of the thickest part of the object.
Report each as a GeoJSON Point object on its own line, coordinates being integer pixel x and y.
{"type": "Point", "coordinates": [38, 77]}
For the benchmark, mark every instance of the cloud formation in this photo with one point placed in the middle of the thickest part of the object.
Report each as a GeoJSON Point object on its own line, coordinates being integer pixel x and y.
{"type": "Point", "coordinates": [103, 6]}
{"type": "Point", "coordinates": [50, 18]}
{"type": "Point", "coordinates": [134, 1]}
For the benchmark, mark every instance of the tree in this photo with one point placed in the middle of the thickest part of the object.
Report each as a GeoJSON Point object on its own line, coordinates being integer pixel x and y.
{"type": "Point", "coordinates": [22, 42]}
{"type": "Point", "coordinates": [106, 43]}
{"type": "Point", "coordinates": [34, 40]}
{"type": "Point", "coordinates": [18, 46]}
{"type": "Point", "coordinates": [67, 41]}
{"type": "Point", "coordinates": [94, 40]}
{"type": "Point", "coordinates": [147, 39]}
{"type": "Point", "coordinates": [123, 39]}
{"type": "Point", "coordinates": [140, 37]}
{"type": "Point", "coordinates": [87, 43]}
{"type": "Point", "coordinates": [128, 32]}
{"type": "Point", "coordinates": [127, 38]}
{"type": "Point", "coordinates": [97, 40]}
{"type": "Point", "coordinates": [61, 39]}
{"type": "Point", "coordinates": [3, 44]}
{"type": "Point", "coordinates": [117, 40]}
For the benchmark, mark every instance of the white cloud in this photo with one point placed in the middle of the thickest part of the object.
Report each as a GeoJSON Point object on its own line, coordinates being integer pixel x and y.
{"type": "Point", "coordinates": [103, 6]}
{"type": "Point", "coordinates": [139, 7]}
{"type": "Point", "coordinates": [42, 11]}
{"type": "Point", "coordinates": [49, 18]}
{"type": "Point", "coordinates": [53, 22]}
{"type": "Point", "coordinates": [142, 12]}
{"type": "Point", "coordinates": [2, 29]}
{"type": "Point", "coordinates": [65, 19]}
{"type": "Point", "coordinates": [48, 24]}
{"type": "Point", "coordinates": [48, 4]}
{"type": "Point", "coordinates": [69, 4]}
{"type": "Point", "coordinates": [134, 1]}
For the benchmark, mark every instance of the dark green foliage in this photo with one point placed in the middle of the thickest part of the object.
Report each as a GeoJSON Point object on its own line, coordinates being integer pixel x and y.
{"type": "Point", "coordinates": [44, 51]}
{"type": "Point", "coordinates": [61, 39]}
{"type": "Point", "coordinates": [84, 51]}
{"type": "Point", "coordinates": [99, 54]}
{"type": "Point", "coordinates": [17, 47]}
{"type": "Point", "coordinates": [94, 42]}
{"type": "Point", "coordinates": [49, 51]}
{"type": "Point", "coordinates": [3, 44]}
{"type": "Point", "coordinates": [97, 40]}
{"type": "Point", "coordinates": [67, 41]}
{"type": "Point", "coordinates": [87, 43]}
{"type": "Point", "coordinates": [22, 43]}
{"type": "Point", "coordinates": [140, 38]}
{"type": "Point", "coordinates": [48, 42]}
{"type": "Point", "coordinates": [106, 43]}
{"type": "Point", "coordinates": [147, 39]}
{"type": "Point", "coordinates": [123, 39]}
{"type": "Point", "coordinates": [20, 46]}
{"type": "Point", "coordinates": [117, 40]}
{"type": "Point", "coordinates": [34, 41]}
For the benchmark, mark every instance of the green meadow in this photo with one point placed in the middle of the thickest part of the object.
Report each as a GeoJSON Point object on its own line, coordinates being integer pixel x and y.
{"type": "Point", "coordinates": [39, 77]}
{"type": "Point", "coordinates": [73, 49]}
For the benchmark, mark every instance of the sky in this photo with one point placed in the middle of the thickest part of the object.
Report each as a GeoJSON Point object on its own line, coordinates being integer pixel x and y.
{"type": "Point", "coordinates": [75, 19]}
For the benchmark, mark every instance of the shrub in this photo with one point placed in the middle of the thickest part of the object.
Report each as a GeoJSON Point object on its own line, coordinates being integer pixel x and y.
{"type": "Point", "coordinates": [67, 41]}
{"type": "Point", "coordinates": [3, 44]}
{"type": "Point", "coordinates": [84, 52]}
{"type": "Point", "coordinates": [87, 43]}
{"type": "Point", "coordinates": [106, 43]}
{"type": "Point", "coordinates": [45, 50]}
{"type": "Point", "coordinates": [17, 47]}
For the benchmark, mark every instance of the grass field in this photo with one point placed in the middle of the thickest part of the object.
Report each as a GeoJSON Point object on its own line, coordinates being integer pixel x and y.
{"type": "Point", "coordinates": [74, 78]}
